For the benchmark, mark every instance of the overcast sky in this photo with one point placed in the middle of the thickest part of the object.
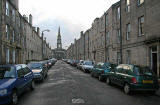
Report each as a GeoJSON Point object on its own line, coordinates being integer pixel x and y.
{"type": "Point", "coordinates": [72, 16]}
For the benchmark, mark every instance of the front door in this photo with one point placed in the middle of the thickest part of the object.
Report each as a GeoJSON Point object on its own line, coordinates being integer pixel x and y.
{"type": "Point", "coordinates": [154, 58]}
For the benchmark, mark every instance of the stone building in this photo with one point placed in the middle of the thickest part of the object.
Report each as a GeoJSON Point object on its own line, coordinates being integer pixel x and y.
{"type": "Point", "coordinates": [59, 53]}
{"type": "Point", "coordinates": [19, 40]}
{"type": "Point", "coordinates": [12, 33]}
{"type": "Point", "coordinates": [137, 22]}
{"type": "Point", "coordinates": [141, 33]}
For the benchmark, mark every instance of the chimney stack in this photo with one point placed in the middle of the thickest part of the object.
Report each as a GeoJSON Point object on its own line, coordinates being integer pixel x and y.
{"type": "Point", "coordinates": [81, 33]}
{"type": "Point", "coordinates": [30, 19]}
{"type": "Point", "coordinates": [25, 17]}
{"type": "Point", "coordinates": [38, 31]}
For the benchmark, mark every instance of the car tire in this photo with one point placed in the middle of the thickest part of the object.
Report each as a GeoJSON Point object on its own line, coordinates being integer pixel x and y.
{"type": "Point", "coordinates": [126, 88]}
{"type": "Point", "coordinates": [92, 74]}
{"type": "Point", "coordinates": [152, 92]}
{"type": "Point", "coordinates": [14, 98]}
{"type": "Point", "coordinates": [100, 78]}
{"type": "Point", "coordinates": [32, 85]}
{"type": "Point", "coordinates": [108, 81]}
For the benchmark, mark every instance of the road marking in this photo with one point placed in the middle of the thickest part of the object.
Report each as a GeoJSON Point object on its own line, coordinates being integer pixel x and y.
{"type": "Point", "coordinates": [78, 101]}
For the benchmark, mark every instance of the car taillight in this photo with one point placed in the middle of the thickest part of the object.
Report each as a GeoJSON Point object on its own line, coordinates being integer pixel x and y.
{"type": "Point", "coordinates": [134, 80]}
{"type": "Point", "coordinates": [102, 71]}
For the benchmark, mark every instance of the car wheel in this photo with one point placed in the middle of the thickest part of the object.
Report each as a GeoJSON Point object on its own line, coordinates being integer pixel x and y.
{"type": "Point", "coordinates": [99, 78]}
{"type": "Point", "coordinates": [108, 81]}
{"type": "Point", "coordinates": [92, 74]}
{"type": "Point", "coordinates": [152, 92]}
{"type": "Point", "coordinates": [14, 98]}
{"type": "Point", "coordinates": [127, 88]}
{"type": "Point", "coordinates": [32, 85]}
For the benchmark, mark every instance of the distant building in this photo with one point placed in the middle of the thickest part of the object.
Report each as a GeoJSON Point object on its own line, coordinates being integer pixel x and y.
{"type": "Point", "coordinates": [59, 53]}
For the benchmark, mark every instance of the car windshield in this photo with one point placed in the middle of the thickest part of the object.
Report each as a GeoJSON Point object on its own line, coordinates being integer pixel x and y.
{"type": "Point", "coordinates": [7, 72]}
{"type": "Point", "coordinates": [35, 65]}
{"type": "Point", "coordinates": [112, 66]}
{"type": "Point", "coordinates": [88, 63]}
{"type": "Point", "coordinates": [142, 71]}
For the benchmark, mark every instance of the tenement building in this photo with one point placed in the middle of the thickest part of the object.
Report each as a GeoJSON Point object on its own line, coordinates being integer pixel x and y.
{"type": "Point", "coordinates": [12, 33]}
{"type": "Point", "coordinates": [128, 32]}
{"type": "Point", "coordinates": [20, 42]}
{"type": "Point", "coordinates": [59, 53]}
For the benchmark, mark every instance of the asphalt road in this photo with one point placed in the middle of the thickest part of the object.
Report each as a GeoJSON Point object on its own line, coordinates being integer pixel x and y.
{"type": "Point", "coordinates": [66, 85]}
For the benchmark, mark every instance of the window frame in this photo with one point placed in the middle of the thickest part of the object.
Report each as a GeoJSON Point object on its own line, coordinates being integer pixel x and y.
{"type": "Point", "coordinates": [139, 2]}
{"type": "Point", "coordinates": [7, 8]}
{"type": "Point", "coordinates": [128, 6]}
{"type": "Point", "coordinates": [141, 26]}
{"type": "Point", "coordinates": [128, 31]}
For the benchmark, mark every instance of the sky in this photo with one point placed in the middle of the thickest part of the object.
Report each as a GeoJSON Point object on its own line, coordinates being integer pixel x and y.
{"type": "Point", "coordinates": [73, 16]}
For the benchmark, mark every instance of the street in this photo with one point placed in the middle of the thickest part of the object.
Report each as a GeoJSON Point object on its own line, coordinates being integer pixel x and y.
{"type": "Point", "coordinates": [65, 85]}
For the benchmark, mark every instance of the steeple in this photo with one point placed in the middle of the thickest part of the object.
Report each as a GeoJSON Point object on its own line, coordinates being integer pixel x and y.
{"type": "Point", "coordinates": [59, 32]}
{"type": "Point", "coordinates": [59, 44]}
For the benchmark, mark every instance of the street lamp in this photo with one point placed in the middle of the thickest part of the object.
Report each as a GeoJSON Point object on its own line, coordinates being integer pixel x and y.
{"type": "Point", "coordinates": [47, 30]}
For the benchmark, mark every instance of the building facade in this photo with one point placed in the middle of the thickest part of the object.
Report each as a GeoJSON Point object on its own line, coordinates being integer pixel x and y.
{"type": "Point", "coordinates": [20, 42]}
{"type": "Point", "coordinates": [128, 32]}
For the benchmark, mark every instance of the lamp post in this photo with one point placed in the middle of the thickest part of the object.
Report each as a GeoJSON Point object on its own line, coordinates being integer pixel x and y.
{"type": "Point", "coordinates": [47, 30]}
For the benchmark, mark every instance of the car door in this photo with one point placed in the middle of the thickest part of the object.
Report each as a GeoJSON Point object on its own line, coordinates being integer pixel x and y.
{"type": "Point", "coordinates": [117, 75]}
{"type": "Point", "coordinates": [21, 80]}
{"type": "Point", "coordinates": [28, 76]}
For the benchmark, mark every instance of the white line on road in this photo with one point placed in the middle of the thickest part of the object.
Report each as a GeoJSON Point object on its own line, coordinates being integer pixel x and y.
{"type": "Point", "coordinates": [78, 101]}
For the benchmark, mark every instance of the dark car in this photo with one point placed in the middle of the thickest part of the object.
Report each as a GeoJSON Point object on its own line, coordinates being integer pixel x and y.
{"type": "Point", "coordinates": [14, 80]}
{"type": "Point", "coordinates": [133, 78]}
{"type": "Point", "coordinates": [39, 70]}
{"type": "Point", "coordinates": [101, 70]}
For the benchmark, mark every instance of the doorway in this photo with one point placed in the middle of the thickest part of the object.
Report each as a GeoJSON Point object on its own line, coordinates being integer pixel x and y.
{"type": "Point", "coordinates": [154, 62]}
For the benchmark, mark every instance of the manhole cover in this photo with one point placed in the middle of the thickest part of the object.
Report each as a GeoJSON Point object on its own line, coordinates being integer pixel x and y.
{"type": "Point", "coordinates": [77, 101]}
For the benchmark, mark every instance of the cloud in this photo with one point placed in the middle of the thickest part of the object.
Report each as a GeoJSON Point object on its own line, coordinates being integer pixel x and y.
{"type": "Point", "coordinates": [72, 15]}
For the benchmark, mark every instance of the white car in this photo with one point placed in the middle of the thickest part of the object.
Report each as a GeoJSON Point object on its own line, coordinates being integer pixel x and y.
{"type": "Point", "coordinates": [87, 66]}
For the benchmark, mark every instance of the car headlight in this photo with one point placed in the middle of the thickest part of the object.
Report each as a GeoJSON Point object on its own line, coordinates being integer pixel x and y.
{"type": "Point", "coordinates": [3, 92]}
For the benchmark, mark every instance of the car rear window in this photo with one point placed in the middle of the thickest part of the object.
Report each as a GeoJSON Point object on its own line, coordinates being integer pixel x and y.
{"type": "Point", "coordinates": [35, 65]}
{"type": "Point", "coordinates": [142, 71]}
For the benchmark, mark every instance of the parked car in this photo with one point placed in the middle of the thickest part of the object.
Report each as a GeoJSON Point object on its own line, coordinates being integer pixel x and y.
{"type": "Point", "coordinates": [39, 70]}
{"type": "Point", "coordinates": [133, 78]}
{"type": "Point", "coordinates": [87, 66]}
{"type": "Point", "coordinates": [14, 80]}
{"type": "Point", "coordinates": [79, 65]}
{"type": "Point", "coordinates": [101, 70]}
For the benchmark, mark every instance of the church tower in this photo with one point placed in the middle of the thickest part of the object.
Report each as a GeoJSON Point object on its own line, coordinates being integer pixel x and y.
{"type": "Point", "coordinates": [59, 43]}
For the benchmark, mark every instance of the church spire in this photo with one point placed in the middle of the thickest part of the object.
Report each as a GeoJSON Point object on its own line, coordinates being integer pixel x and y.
{"type": "Point", "coordinates": [59, 43]}
{"type": "Point", "coordinates": [59, 31]}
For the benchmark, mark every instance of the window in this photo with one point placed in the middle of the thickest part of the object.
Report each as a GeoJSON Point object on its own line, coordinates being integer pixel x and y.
{"type": "Point", "coordinates": [118, 57]}
{"type": "Point", "coordinates": [141, 26]}
{"type": "Point", "coordinates": [127, 5]}
{"type": "Point", "coordinates": [118, 36]}
{"type": "Point", "coordinates": [128, 30]}
{"type": "Point", "coordinates": [128, 57]}
{"type": "Point", "coordinates": [107, 21]}
{"type": "Point", "coordinates": [7, 55]}
{"type": "Point", "coordinates": [13, 15]}
{"type": "Point", "coordinates": [7, 31]}
{"type": "Point", "coordinates": [7, 8]}
{"type": "Point", "coordinates": [140, 2]}
{"type": "Point", "coordinates": [13, 56]}
{"type": "Point", "coordinates": [13, 36]}
{"type": "Point", "coordinates": [20, 72]}
{"type": "Point", "coordinates": [107, 37]}
{"type": "Point", "coordinates": [118, 13]}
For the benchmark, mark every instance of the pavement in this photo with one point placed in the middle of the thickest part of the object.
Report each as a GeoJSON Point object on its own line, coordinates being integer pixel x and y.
{"type": "Point", "coordinates": [65, 85]}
